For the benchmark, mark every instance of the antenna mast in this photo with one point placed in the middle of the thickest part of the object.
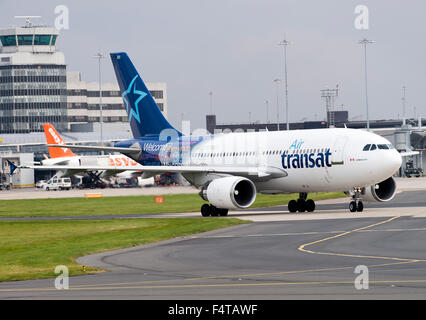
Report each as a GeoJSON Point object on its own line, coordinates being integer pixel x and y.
{"type": "Point", "coordinates": [329, 96]}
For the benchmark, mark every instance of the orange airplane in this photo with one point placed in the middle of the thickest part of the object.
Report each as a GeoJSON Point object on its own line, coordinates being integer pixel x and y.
{"type": "Point", "coordinates": [69, 163]}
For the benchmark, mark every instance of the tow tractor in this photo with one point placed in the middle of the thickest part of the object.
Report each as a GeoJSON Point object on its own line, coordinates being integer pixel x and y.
{"type": "Point", "coordinates": [410, 171]}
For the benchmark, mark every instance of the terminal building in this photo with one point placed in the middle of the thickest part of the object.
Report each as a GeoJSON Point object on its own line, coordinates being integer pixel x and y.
{"type": "Point", "coordinates": [84, 103]}
{"type": "Point", "coordinates": [37, 88]}
{"type": "Point", "coordinates": [32, 80]}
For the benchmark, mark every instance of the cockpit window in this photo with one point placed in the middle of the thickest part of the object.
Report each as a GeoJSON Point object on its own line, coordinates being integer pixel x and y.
{"type": "Point", "coordinates": [371, 147]}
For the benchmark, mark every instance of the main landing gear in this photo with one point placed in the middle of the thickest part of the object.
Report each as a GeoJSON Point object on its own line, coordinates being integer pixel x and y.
{"type": "Point", "coordinates": [210, 210]}
{"type": "Point", "coordinates": [356, 205]}
{"type": "Point", "coordinates": [301, 204]}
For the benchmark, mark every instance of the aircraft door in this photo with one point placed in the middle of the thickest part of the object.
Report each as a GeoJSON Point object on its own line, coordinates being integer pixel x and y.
{"type": "Point", "coordinates": [337, 157]}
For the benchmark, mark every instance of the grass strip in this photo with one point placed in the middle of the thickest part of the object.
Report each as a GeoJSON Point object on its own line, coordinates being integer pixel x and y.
{"type": "Point", "coordinates": [79, 207]}
{"type": "Point", "coordinates": [32, 249]}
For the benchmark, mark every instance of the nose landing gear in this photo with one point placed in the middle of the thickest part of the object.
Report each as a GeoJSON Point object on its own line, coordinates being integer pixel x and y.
{"type": "Point", "coordinates": [356, 204]}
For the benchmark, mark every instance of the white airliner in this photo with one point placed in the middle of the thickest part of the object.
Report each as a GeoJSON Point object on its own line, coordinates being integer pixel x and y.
{"type": "Point", "coordinates": [61, 157]}
{"type": "Point", "coordinates": [230, 169]}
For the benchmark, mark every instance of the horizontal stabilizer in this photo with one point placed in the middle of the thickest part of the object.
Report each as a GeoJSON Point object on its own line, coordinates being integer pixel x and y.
{"type": "Point", "coordinates": [98, 148]}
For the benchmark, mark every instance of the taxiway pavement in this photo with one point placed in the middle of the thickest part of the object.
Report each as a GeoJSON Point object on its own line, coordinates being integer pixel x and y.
{"type": "Point", "coordinates": [279, 256]}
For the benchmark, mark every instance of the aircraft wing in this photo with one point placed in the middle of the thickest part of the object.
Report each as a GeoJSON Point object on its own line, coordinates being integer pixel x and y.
{"type": "Point", "coordinates": [260, 172]}
{"type": "Point", "coordinates": [408, 153]}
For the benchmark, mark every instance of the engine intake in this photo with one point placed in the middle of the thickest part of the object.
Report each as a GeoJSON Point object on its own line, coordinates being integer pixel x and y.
{"type": "Point", "coordinates": [230, 193]}
{"type": "Point", "coordinates": [380, 192]}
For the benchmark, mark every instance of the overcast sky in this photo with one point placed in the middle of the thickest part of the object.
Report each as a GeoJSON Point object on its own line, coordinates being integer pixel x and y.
{"type": "Point", "coordinates": [230, 47]}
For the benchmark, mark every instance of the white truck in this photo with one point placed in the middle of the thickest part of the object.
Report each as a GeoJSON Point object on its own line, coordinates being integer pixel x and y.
{"type": "Point", "coordinates": [57, 184]}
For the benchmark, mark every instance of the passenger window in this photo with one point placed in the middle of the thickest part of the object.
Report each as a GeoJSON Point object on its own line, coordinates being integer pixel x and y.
{"type": "Point", "coordinates": [373, 147]}
{"type": "Point", "coordinates": [367, 147]}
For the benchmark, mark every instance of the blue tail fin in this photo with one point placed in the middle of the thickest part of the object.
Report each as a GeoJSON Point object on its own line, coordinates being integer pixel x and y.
{"type": "Point", "coordinates": [145, 116]}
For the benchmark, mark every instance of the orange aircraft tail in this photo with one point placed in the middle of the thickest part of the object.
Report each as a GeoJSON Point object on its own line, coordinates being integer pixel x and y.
{"type": "Point", "coordinates": [53, 137]}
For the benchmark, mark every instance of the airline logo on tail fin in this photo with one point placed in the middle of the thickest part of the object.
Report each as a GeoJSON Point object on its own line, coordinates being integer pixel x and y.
{"type": "Point", "coordinates": [133, 111]}
{"type": "Point", "coordinates": [53, 137]}
{"type": "Point", "coordinates": [145, 117]}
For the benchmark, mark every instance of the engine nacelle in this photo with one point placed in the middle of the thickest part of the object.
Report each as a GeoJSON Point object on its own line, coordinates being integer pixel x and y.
{"type": "Point", "coordinates": [380, 192]}
{"type": "Point", "coordinates": [230, 193]}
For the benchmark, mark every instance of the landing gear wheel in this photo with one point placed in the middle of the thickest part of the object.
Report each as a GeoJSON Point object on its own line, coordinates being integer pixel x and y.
{"type": "Point", "coordinates": [310, 205]}
{"type": "Point", "coordinates": [214, 212]}
{"type": "Point", "coordinates": [356, 204]}
{"type": "Point", "coordinates": [205, 210]}
{"type": "Point", "coordinates": [301, 205]}
{"type": "Point", "coordinates": [352, 206]}
{"type": "Point", "coordinates": [223, 212]}
{"type": "Point", "coordinates": [292, 206]}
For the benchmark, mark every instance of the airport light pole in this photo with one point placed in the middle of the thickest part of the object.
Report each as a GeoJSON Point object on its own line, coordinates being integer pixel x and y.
{"type": "Point", "coordinates": [365, 42]}
{"type": "Point", "coordinates": [100, 56]}
{"type": "Point", "coordinates": [285, 43]}
{"type": "Point", "coordinates": [277, 82]}
{"type": "Point", "coordinates": [403, 105]}
{"type": "Point", "coordinates": [211, 102]}
{"type": "Point", "coordinates": [267, 111]}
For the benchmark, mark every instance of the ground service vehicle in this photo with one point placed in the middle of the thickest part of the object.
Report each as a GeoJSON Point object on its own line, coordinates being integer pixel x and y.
{"type": "Point", "coordinates": [58, 184]}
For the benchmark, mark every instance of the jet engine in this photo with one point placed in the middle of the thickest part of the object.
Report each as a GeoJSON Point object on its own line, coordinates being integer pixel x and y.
{"type": "Point", "coordinates": [230, 193]}
{"type": "Point", "coordinates": [380, 192]}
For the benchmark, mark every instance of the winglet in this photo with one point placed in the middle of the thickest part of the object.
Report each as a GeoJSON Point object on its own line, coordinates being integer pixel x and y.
{"type": "Point", "coordinates": [12, 166]}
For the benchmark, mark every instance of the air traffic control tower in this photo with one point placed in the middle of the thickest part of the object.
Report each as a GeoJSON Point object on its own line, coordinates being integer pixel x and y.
{"type": "Point", "coordinates": [32, 79]}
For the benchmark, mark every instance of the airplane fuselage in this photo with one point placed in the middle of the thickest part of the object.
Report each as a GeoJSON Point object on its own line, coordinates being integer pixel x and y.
{"type": "Point", "coordinates": [314, 160]}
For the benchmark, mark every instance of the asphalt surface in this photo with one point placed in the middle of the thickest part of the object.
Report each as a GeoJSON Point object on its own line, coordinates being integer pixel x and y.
{"type": "Point", "coordinates": [281, 256]}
